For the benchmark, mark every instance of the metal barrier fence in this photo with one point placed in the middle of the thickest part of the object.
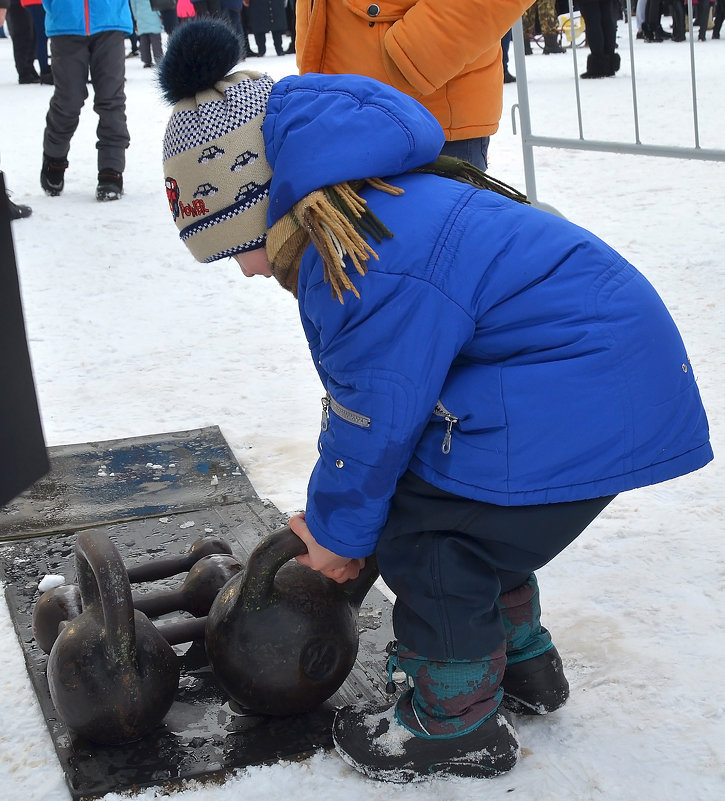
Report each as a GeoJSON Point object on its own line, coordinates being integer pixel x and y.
{"type": "Point", "coordinates": [636, 147]}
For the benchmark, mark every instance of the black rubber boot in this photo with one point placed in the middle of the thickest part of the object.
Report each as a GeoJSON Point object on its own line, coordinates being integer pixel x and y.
{"type": "Point", "coordinates": [535, 686]}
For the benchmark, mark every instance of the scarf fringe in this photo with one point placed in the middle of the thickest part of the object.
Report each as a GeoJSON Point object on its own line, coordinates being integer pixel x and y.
{"type": "Point", "coordinates": [338, 222]}
{"type": "Point", "coordinates": [459, 170]}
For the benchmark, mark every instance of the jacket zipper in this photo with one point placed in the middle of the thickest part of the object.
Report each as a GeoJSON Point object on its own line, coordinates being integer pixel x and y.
{"type": "Point", "coordinates": [357, 419]}
{"type": "Point", "coordinates": [361, 420]}
{"type": "Point", "coordinates": [441, 411]}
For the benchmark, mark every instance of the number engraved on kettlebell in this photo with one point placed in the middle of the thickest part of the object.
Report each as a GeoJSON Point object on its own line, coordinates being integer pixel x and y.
{"type": "Point", "coordinates": [319, 659]}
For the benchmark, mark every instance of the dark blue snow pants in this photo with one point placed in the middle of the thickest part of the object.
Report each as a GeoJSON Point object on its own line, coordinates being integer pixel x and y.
{"type": "Point", "coordinates": [448, 558]}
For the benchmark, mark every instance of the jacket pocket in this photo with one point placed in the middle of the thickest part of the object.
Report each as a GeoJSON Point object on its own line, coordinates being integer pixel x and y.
{"type": "Point", "coordinates": [330, 404]}
{"type": "Point", "coordinates": [450, 420]}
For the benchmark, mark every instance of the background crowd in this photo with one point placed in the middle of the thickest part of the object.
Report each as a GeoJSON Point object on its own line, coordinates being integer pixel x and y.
{"type": "Point", "coordinates": [50, 48]}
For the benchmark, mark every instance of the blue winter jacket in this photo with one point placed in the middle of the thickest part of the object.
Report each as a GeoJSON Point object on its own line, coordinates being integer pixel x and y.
{"type": "Point", "coordinates": [147, 20]}
{"type": "Point", "coordinates": [86, 17]}
{"type": "Point", "coordinates": [497, 351]}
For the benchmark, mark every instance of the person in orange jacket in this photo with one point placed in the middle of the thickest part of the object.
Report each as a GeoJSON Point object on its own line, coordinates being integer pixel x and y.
{"type": "Point", "coordinates": [445, 55]}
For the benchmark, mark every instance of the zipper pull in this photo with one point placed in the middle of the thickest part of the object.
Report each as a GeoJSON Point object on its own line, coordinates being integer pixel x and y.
{"type": "Point", "coordinates": [450, 420]}
{"type": "Point", "coordinates": [325, 413]}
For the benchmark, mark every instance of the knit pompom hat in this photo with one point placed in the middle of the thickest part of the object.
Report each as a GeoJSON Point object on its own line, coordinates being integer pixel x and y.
{"type": "Point", "coordinates": [216, 174]}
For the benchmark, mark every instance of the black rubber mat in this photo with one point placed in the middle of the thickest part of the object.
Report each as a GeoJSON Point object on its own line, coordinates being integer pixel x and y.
{"type": "Point", "coordinates": [101, 482]}
{"type": "Point", "coordinates": [201, 736]}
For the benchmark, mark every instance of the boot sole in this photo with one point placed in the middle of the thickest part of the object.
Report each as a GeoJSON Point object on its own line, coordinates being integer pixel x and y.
{"type": "Point", "coordinates": [103, 196]}
{"type": "Point", "coordinates": [460, 770]}
{"type": "Point", "coordinates": [520, 707]}
{"type": "Point", "coordinates": [471, 763]}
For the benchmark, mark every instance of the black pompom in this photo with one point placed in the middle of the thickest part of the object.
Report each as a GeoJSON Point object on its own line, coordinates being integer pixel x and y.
{"type": "Point", "coordinates": [199, 53]}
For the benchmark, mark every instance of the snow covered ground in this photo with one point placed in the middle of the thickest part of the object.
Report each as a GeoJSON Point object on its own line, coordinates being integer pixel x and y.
{"type": "Point", "coordinates": [129, 336]}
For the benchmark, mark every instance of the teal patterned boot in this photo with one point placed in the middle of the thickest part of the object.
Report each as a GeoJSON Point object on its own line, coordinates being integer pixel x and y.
{"type": "Point", "coordinates": [447, 724]}
{"type": "Point", "coordinates": [534, 682]}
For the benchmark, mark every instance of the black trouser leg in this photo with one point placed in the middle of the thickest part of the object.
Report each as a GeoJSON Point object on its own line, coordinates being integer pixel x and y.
{"type": "Point", "coordinates": [20, 27]}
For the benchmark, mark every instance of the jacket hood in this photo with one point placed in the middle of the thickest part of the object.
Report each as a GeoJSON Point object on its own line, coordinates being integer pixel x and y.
{"type": "Point", "coordinates": [321, 130]}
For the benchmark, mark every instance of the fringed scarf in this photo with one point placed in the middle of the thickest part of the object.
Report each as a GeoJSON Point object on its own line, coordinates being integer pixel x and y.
{"type": "Point", "coordinates": [337, 221]}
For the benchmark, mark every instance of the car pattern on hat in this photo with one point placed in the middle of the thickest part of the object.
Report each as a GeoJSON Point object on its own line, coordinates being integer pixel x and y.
{"type": "Point", "coordinates": [247, 157]}
{"type": "Point", "coordinates": [246, 189]}
{"type": "Point", "coordinates": [204, 190]}
{"type": "Point", "coordinates": [210, 153]}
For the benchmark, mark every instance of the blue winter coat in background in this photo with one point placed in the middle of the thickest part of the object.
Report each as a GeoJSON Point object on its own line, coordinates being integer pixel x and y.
{"type": "Point", "coordinates": [147, 20]}
{"type": "Point", "coordinates": [86, 17]}
{"type": "Point", "coordinates": [499, 352]}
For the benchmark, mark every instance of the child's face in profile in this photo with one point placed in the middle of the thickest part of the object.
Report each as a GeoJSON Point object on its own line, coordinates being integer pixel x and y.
{"type": "Point", "coordinates": [254, 262]}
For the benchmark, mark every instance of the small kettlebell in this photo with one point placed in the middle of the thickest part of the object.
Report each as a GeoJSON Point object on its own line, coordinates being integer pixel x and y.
{"type": "Point", "coordinates": [282, 638]}
{"type": "Point", "coordinates": [198, 591]}
{"type": "Point", "coordinates": [166, 566]}
{"type": "Point", "coordinates": [51, 610]}
{"type": "Point", "coordinates": [111, 675]}
{"type": "Point", "coordinates": [196, 595]}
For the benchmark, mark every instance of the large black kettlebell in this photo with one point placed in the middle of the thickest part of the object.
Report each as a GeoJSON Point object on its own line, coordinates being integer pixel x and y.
{"type": "Point", "coordinates": [282, 638]}
{"type": "Point", "coordinates": [112, 676]}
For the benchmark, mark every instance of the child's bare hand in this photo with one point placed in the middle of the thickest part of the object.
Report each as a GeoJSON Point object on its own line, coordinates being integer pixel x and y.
{"type": "Point", "coordinates": [337, 568]}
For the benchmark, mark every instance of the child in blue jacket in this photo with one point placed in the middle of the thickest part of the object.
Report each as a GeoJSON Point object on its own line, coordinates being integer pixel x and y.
{"type": "Point", "coordinates": [493, 375]}
{"type": "Point", "coordinates": [87, 41]}
{"type": "Point", "coordinates": [148, 27]}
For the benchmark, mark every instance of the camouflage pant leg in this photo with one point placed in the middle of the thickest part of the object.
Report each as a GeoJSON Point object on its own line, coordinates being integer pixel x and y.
{"type": "Point", "coordinates": [548, 19]}
{"type": "Point", "coordinates": [528, 21]}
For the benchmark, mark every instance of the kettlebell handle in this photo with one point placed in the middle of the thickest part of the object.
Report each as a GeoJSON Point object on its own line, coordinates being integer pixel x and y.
{"type": "Point", "coordinates": [276, 550]}
{"type": "Point", "coordinates": [99, 564]}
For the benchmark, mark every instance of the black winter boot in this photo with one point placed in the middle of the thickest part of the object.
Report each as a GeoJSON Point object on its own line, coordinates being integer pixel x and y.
{"type": "Point", "coordinates": [551, 44]}
{"type": "Point", "coordinates": [535, 686]}
{"type": "Point", "coordinates": [18, 211]}
{"type": "Point", "coordinates": [533, 682]}
{"type": "Point", "coordinates": [110, 185]}
{"type": "Point", "coordinates": [52, 175]}
{"type": "Point", "coordinates": [597, 67]}
{"type": "Point", "coordinates": [652, 34]}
